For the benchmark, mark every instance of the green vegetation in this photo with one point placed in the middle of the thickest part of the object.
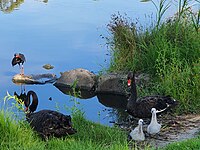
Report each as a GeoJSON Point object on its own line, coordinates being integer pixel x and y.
{"type": "Point", "coordinates": [19, 135]}
{"type": "Point", "coordinates": [168, 50]}
{"type": "Point", "coordinates": [193, 144]}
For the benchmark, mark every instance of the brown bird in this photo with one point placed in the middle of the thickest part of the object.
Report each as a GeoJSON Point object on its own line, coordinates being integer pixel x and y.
{"type": "Point", "coordinates": [47, 123]}
{"type": "Point", "coordinates": [19, 59]}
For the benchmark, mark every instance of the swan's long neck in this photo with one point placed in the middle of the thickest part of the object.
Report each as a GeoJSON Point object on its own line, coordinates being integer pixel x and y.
{"type": "Point", "coordinates": [133, 96]}
{"type": "Point", "coordinates": [34, 103]}
{"type": "Point", "coordinates": [140, 128]}
{"type": "Point", "coordinates": [154, 118]}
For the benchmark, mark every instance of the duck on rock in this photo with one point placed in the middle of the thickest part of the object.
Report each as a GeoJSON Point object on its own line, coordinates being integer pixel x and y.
{"type": "Point", "coordinates": [47, 123]}
{"type": "Point", "coordinates": [141, 107]}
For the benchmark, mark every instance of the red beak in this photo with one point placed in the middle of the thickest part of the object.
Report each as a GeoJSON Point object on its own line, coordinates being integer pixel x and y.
{"type": "Point", "coordinates": [26, 109]}
{"type": "Point", "coordinates": [129, 82]}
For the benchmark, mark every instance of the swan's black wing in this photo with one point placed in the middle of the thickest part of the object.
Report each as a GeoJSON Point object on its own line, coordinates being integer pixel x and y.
{"type": "Point", "coordinates": [158, 102]}
{"type": "Point", "coordinates": [142, 107]}
{"type": "Point", "coordinates": [23, 59]}
{"type": "Point", "coordinates": [51, 123]}
{"type": "Point", "coordinates": [14, 61]}
{"type": "Point", "coordinates": [17, 59]}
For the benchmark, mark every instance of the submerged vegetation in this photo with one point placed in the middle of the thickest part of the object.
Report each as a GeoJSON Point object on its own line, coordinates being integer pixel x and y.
{"type": "Point", "coordinates": [168, 50]}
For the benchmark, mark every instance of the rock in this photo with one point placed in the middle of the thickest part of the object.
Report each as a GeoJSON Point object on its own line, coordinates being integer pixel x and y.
{"type": "Point", "coordinates": [48, 66]}
{"type": "Point", "coordinates": [34, 79]}
{"type": "Point", "coordinates": [112, 83]}
{"type": "Point", "coordinates": [112, 90]}
{"type": "Point", "coordinates": [82, 80]}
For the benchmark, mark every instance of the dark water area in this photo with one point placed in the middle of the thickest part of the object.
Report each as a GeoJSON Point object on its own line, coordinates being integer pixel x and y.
{"type": "Point", "coordinates": [65, 34]}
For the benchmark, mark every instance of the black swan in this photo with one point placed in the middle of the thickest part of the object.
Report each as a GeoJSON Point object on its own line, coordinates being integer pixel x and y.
{"type": "Point", "coordinates": [47, 122]}
{"type": "Point", "coordinates": [141, 108]}
{"type": "Point", "coordinates": [19, 59]}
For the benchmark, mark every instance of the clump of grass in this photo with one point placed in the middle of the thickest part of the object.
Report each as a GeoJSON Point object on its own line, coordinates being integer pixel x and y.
{"type": "Point", "coordinates": [122, 43]}
{"type": "Point", "coordinates": [169, 51]}
{"type": "Point", "coordinates": [187, 144]}
{"type": "Point", "coordinates": [16, 134]}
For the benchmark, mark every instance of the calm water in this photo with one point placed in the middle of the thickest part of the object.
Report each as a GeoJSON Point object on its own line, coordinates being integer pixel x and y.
{"type": "Point", "coordinates": [65, 34]}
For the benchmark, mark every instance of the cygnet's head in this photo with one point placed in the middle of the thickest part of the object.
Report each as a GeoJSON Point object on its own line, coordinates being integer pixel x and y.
{"type": "Point", "coordinates": [153, 110]}
{"type": "Point", "coordinates": [140, 122]}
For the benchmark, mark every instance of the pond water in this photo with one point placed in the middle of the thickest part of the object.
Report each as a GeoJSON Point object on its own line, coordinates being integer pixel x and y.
{"type": "Point", "coordinates": [65, 34]}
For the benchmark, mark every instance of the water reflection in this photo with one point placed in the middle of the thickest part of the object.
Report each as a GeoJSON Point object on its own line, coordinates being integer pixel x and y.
{"type": "Point", "coordinates": [113, 100]}
{"type": "Point", "coordinates": [7, 6]}
{"type": "Point", "coordinates": [64, 34]}
{"type": "Point", "coordinates": [21, 96]}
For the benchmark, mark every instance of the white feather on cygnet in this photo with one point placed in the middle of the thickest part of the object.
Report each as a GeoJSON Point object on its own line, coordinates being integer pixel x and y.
{"type": "Point", "coordinates": [137, 134]}
{"type": "Point", "coordinates": [154, 126]}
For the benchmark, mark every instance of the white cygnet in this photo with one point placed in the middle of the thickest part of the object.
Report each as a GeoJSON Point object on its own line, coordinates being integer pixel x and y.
{"type": "Point", "coordinates": [154, 126]}
{"type": "Point", "coordinates": [137, 134]}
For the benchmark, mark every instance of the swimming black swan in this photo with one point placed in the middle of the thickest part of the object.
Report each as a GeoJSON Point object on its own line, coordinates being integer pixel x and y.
{"type": "Point", "coordinates": [19, 59]}
{"type": "Point", "coordinates": [141, 108]}
{"type": "Point", "coordinates": [47, 122]}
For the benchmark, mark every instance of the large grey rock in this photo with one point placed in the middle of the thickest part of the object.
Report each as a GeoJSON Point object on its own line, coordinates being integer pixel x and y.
{"type": "Point", "coordinates": [112, 83]}
{"type": "Point", "coordinates": [112, 90]}
{"type": "Point", "coordinates": [80, 80]}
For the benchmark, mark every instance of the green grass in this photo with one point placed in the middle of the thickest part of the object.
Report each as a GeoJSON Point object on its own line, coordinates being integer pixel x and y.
{"type": "Point", "coordinates": [193, 144]}
{"type": "Point", "coordinates": [15, 135]}
{"type": "Point", "coordinates": [168, 50]}
{"type": "Point", "coordinates": [18, 135]}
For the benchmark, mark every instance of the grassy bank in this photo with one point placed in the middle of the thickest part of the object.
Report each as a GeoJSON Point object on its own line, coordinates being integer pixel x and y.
{"type": "Point", "coordinates": [18, 135]}
{"type": "Point", "coordinates": [168, 50]}
{"type": "Point", "coordinates": [193, 144]}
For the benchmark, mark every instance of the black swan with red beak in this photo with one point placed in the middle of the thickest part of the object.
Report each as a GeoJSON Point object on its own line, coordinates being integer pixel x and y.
{"type": "Point", "coordinates": [47, 122]}
{"type": "Point", "coordinates": [19, 59]}
{"type": "Point", "coordinates": [141, 107]}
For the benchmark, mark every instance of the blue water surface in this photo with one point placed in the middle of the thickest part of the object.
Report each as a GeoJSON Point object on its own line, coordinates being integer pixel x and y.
{"type": "Point", "coordinates": [66, 34]}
